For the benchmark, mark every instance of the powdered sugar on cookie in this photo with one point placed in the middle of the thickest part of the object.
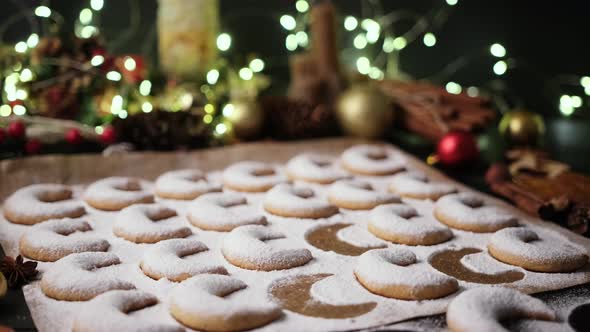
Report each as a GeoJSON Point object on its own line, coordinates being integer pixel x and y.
{"type": "Point", "coordinates": [39, 202]}
{"type": "Point", "coordinates": [185, 184]}
{"type": "Point", "coordinates": [55, 239]}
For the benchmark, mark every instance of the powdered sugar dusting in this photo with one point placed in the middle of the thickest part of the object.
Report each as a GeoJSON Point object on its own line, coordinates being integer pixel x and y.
{"type": "Point", "coordinates": [246, 247]}
{"type": "Point", "coordinates": [252, 176]}
{"type": "Point", "coordinates": [295, 200]}
{"type": "Point", "coordinates": [372, 159]}
{"type": "Point", "coordinates": [110, 312]}
{"type": "Point", "coordinates": [544, 249]}
{"type": "Point", "coordinates": [54, 239]}
{"type": "Point", "coordinates": [417, 184]}
{"type": "Point", "coordinates": [359, 192]}
{"type": "Point", "coordinates": [223, 212]}
{"type": "Point", "coordinates": [149, 223]}
{"type": "Point", "coordinates": [314, 168]}
{"type": "Point", "coordinates": [51, 201]}
{"type": "Point", "coordinates": [482, 309]}
{"type": "Point", "coordinates": [397, 266]}
{"type": "Point", "coordinates": [482, 262]}
{"type": "Point", "coordinates": [178, 259]}
{"type": "Point", "coordinates": [341, 288]}
{"type": "Point", "coordinates": [471, 210]}
{"type": "Point", "coordinates": [184, 184]}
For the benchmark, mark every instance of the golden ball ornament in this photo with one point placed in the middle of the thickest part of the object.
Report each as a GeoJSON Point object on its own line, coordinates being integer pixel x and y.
{"type": "Point", "coordinates": [245, 116]}
{"type": "Point", "coordinates": [520, 127]}
{"type": "Point", "coordinates": [3, 285]}
{"type": "Point", "coordinates": [365, 111]}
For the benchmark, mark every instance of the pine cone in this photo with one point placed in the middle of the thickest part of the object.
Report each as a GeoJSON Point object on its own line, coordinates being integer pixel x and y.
{"type": "Point", "coordinates": [162, 130]}
{"type": "Point", "coordinates": [291, 119]}
{"type": "Point", "coordinates": [17, 271]}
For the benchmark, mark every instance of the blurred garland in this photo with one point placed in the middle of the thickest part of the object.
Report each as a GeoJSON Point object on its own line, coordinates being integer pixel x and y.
{"type": "Point", "coordinates": [70, 75]}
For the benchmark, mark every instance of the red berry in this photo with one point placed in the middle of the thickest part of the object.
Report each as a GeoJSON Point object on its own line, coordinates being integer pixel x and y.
{"type": "Point", "coordinates": [73, 136]}
{"type": "Point", "coordinates": [33, 146]}
{"type": "Point", "coordinates": [2, 135]}
{"type": "Point", "coordinates": [16, 129]}
{"type": "Point", "coordinates": [108, 136]}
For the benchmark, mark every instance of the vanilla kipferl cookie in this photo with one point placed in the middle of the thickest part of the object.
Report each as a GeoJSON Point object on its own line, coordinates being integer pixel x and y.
{"type": "Point", "coordinates": [252, 176]}
{"type": "Point", "coordinates": [316, 168]}
{"type": "Point", "coordinates": [419, 186]}
{"type": "Point", "coordinates": [483, 309]}
{"type": "Point", "coordinates": [184, 184]}
{"type": "Point", "coordinates": [295, 201]}
{"type": "Point", "coordinates": [204, 303]}
{"type": "Point", "coordinates": [358, 195]}
{"type": "Point", "coordinates": [396, 273]}
{"type": "Point", "coordinates": [534, 251]}
{"type": "Point", "coordinates": [246, 247]}
{"type": "Point", "coordinates": [372, 160]}
{"type": "Point", "coordinates": [469, 212]}
{"type": "Point", "coordinates": [167, 259]}
{"type": "Point", "coordinates": [110, 312]}
{"type": "Point", "coordinates": [149, 223]}
{"type": "Point", "coordinates": [39, 202]}
{"type": "Point", "coordinates": [82, 276]}
{"type": "Point", "coordinates": [116, 193]}
{"type": "Point", "coordinates": [223, 212]}
{"type": "Point", "coordinates": [55, 239]}
{"type": "Point", "coordinates": [401, 224]}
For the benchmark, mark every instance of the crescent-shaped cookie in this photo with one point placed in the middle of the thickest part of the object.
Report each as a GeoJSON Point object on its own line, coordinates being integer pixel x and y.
{"type": "Point", "coordinates": [39, 202]}
{"type": "Point", "coordinates": [396, 273]}
{"type": "Point", "coordinates": [55, 239]}
{"type": "Point", "coordinates": [482, 309]}
{"type": "Point", "coordinates": [246, 247]}
{"type": "Point", "coordinates": [204, 303]}
{"type": "Point", "coordinates": [294, 201]}
{"type": "Point", "coordinates": [81, 277]}
{"type": "Point", "coordinates": [469, 212]}
{"type": "Point", "coordinates": [530, 250]}
{"type": "Point", "coordinates": [184, 184]}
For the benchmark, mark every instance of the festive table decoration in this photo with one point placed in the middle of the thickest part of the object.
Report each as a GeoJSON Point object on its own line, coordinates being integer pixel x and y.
{"type": "Point", "coordinates": [544, 187]}
{"type": "Point", "coordinates": [522, 127]}
{"type": "Point", "coordinates": [364, 111]}
{"type": "Point", "coordinates": [456, 148]}
{"type": "Point", "coordinates": [3, 285]}
{"type": "Point", "coordinates": [432, 112]}
{"type": "Point", "coordinates": [246, 117]}
{"type": "Point", "coordinates": [18, 271]}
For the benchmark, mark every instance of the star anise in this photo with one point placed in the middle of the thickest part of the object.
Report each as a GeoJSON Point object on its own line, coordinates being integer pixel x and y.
{"type": "Point", "coordinates": [17, 271]}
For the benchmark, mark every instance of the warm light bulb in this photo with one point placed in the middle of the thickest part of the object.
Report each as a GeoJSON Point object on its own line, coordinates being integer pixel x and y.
{"type": "Point", "coordinates": [223, 42]}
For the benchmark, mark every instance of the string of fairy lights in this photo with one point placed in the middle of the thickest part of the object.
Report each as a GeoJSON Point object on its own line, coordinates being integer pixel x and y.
{"type": "Point", "coordinates": [369, 31]}
{"type": "Point", "coordinates": [374, 44]}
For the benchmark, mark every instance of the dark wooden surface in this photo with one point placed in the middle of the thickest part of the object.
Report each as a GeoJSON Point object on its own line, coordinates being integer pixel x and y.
{"type": "Point", "coordinates": [566, 140]}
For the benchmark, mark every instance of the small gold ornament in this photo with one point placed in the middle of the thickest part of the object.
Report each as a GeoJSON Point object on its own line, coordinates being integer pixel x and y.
{"type": "Point", "coordinates": [364, 111]}
{"type": "Point", "coordinates": [245, 116]}
{"type": "Point", "coordinates": [522, 127]}
{"type": "Point", "coordinates": [3, 285]}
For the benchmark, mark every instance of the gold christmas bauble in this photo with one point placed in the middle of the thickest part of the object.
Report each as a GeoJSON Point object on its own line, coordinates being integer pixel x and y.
{"type": "Point", "coordinates": [3, 285]}
{"type": "Point", "coordinates": [522, 127]}
{"type": "Point", "coordinates": [364, 111]}
{"type": "Point", "coordinates": [245, 116]}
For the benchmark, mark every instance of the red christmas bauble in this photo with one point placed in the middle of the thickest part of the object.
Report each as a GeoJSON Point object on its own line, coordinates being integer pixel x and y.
{"type": "Point", "coordinates": [457, 147]}
{"type": "Point", "coordinates": [16, 129]}
{"type": "Point", "coordinates": [73, 136]}
{"type": "Point", "coordinates": [33, 146]}
{"type": "Point", "coordinates": [2, 135]}
{"type": "Point", "coordinates": [108, 135]}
